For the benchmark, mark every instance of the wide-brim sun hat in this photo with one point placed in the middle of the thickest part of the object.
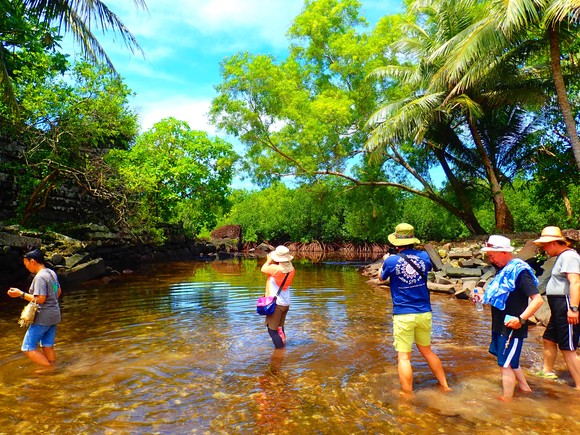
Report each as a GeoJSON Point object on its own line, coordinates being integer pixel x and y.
{"type": "Point", "coordinates": [404, 235]}
{"type": "Point", "coordinates": [281, 254]}
{"type": "Point", "coordinates": [550, 234]}
{"type": "Point", "coordinates": [497, 243]}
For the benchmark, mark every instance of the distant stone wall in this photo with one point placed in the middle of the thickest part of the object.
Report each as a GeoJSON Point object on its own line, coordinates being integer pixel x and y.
{"type": "Point", "coordinates": [96, 254]}
{"type": "Point", "coordinates": [70, 203]}
{"type": "Point", "coordinates": [10, 155]}
{"type": "Point", "coordinates": [65, 203]}
{"type": "Point", "coordinates": [228, 238]}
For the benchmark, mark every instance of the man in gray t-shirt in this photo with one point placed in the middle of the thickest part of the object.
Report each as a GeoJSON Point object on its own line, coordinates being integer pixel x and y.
{"type": "Point", "coordinates": [563, 293]}
{"type": "Point", "coordinates": [45, 291]}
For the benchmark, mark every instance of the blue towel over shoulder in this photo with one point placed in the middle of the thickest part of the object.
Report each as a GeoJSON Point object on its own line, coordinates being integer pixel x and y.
{"type": "Point", "coordinates": [504, 282]}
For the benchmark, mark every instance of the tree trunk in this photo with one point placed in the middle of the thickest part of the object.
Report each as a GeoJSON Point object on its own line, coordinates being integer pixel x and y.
{"type": "Point", "coordinates": [567, 204]}
{"type": "Point", "coordinates": [43, 188]}
{"type": "Point", "coordinates": [564, 103]}
{"type": "Point", "coordinates": [504, 221]}
{"type": "Point", "coordinates": [468, 217]}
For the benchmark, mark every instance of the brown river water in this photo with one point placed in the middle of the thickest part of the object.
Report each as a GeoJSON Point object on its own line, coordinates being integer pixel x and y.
{"type": "Point", "coordinates": [179, 349]}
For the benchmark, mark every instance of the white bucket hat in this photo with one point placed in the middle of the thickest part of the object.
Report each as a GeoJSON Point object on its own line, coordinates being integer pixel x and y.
{"type": "Point", "coordinates": [497, 243]}
{"type": "Point", "coordinates": [281, 254]}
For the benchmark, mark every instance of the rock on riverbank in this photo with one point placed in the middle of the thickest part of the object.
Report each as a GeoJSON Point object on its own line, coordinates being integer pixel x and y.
{"type": "Point", "coordinates": [460, 267]}
{"type": "Point", "coordinates": [89, 252]}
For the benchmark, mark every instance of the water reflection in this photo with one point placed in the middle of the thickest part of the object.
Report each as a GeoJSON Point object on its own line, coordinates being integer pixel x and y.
{"type": "Point", "coordinates": [180, 349]}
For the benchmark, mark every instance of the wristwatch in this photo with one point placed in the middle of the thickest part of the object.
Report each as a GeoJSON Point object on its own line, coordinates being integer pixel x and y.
{"type": "Point", "coordinates": [522, 321]}
{"type": "Point", "coordinates": [574, 309]}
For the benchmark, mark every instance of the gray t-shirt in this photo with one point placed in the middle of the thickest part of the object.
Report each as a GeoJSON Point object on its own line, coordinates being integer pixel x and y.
{"type": "Point", "coordinates": [46, 283]}
{"type": "Point", "coordinates": [567, 262]}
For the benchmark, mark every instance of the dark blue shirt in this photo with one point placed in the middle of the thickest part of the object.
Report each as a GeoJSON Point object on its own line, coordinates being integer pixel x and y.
{"type": "Point", "coordinates": [408, 289]}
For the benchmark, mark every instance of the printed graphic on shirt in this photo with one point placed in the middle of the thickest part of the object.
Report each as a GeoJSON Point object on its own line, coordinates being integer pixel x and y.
{"type": "Point", "coordinates": [407, 273]}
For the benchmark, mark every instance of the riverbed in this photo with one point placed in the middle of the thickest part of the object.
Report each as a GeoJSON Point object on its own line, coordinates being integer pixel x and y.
{"type": "Point", "coordinates": [178, 348]}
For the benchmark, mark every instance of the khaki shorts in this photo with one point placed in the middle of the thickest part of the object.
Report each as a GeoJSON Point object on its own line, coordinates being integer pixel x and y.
{"type": "Point", "coordinates": [409, 328]}
{"type": "Point", "coordinates": [276, 320]}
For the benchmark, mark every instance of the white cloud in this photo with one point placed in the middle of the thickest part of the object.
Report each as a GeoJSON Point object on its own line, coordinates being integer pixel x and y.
{"type": "Point", "coordinates": [239, 20]}
{"type": "Point", "coordinates": [192, 111]}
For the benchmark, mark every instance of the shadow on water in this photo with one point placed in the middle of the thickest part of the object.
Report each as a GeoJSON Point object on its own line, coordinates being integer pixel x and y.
{"type": "Point", "coordinates": [180, 349]}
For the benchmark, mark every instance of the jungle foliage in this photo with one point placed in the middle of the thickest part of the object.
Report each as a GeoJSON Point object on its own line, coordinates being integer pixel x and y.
{"type": "Point", "coordinates": [458, 116]}
{"type": "Point", "coordinates": [462, 91]}
{"type": "Point", "coordinates": [173, 174]}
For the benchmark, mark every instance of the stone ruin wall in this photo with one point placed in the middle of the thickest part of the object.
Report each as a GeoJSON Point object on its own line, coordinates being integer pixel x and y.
{"type": "Point", "coordinates": [66, 203]}
{"type": "Point", "coordinates": [94, 236]}
{"type": "Point", "coordinates": [10, 153]}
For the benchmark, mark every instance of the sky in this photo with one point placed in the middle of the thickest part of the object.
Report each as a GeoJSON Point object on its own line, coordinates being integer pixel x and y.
{"type": "Point", "coordinates": [185, 40]}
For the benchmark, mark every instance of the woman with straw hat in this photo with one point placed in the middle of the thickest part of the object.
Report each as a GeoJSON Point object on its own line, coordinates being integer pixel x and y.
{"type": "Point", "coordinates": [278, 267]}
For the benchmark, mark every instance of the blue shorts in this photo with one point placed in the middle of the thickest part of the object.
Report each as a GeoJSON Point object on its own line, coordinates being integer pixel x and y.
{"type": "Point", "coordinates": [507, 350]}
{"type": "Point", "coordinates": [43, 334]}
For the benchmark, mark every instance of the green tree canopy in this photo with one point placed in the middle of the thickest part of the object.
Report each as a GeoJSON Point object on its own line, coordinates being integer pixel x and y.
{"type": "Point", "coordinates": [174, 174]}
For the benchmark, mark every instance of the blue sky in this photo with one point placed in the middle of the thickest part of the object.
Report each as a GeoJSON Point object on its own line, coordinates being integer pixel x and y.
{"type": "Point", "coordinates": [185, 41]}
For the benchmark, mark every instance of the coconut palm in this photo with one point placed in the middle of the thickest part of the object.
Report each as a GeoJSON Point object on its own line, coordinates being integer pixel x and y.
{"type": "Point", "coordinates": [513, 23]}
{"type": "Point", "coordinates": [79, 18]}
{"type": "Point", "coordinates": [417, 117]}
{"type": "Point", "coordinates": [441, 99]}
{"type": "Point", "coordinates": [559, 14]}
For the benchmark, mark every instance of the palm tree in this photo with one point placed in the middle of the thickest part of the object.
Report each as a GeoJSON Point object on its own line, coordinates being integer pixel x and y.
{"type": "Point", "coordinates": [80, 18]}
{"type": "Point", "coordinates": [515, 22]}
{"type": "Point", "coordinates": [558, 13]}
{"type": "Point", "coordinates": [444, 98]}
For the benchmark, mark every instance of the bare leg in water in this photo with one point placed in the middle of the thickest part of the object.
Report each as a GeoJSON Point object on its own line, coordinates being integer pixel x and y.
{"type": "Point", "coordinates": [435, 365]}
{"type": "Point", "coordinates": [276, 339]}
{"type": "Point", "coordinates": [522, 381]}
{"type": "Point", "coordinates": [39, 357]}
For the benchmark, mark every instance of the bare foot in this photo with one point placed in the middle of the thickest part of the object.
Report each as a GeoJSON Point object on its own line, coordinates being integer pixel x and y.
{"type": "Point", "coordinates": [43, 370]}
{"type": "Point", "coordinates": [504, 399]}
{"type": "Point", "coordinates": [445, 388]}
{"type": "Point", "coordinates": [406, 394]}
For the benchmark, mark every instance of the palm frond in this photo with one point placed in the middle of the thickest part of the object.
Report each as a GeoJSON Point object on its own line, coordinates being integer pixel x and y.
{"type": "Point", "coordinates": [514, 15]}
{"type": "Point", "coordinates": [466, 104]}
{"type": "Point", "coordinates": [401, 121]}
{"type": "Point", "coordinates": [78, 17]}
{"type": "Point", "coordinates": [407, 74]}
{"type": "Point", "coordinates": [559, 11]}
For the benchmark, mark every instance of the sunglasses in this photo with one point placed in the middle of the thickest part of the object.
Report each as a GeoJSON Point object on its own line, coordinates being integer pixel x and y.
{"type": "Point", "coordinates": [491, 245]}
{"type": "Point", "coordinates": [496, 248]}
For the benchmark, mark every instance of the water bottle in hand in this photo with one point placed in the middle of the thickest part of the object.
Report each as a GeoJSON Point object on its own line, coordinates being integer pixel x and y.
{"type": "Point", "coordinates": [477, 300]}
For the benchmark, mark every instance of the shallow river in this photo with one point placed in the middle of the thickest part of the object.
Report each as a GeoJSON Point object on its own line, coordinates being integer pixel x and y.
{"type": "Point", "coordinates": [179, 349]}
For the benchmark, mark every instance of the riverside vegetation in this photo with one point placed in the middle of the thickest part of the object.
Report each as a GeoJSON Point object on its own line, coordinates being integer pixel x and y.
{"type": "Point", "coordinates": [405, 120]}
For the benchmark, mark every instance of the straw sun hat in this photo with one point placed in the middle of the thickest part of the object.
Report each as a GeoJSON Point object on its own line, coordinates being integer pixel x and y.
{"type": "Point", "coordinates": [550, 234]}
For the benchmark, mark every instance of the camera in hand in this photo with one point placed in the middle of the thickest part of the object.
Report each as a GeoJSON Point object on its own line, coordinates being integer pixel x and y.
{"type": "Point", "coordinates": [393, 250]}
